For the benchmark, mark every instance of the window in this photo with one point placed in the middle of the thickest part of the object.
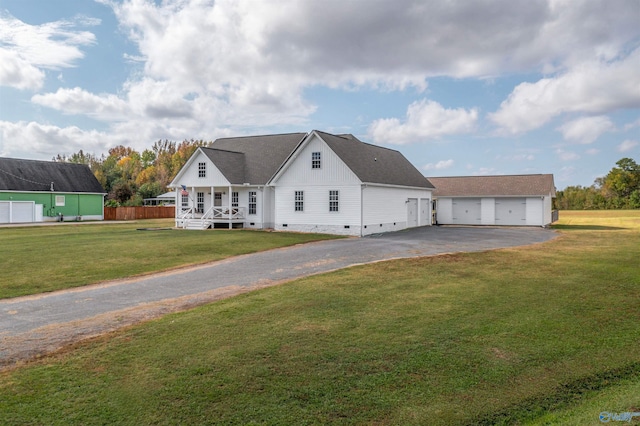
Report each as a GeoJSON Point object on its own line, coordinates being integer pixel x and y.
{"type": "Point", "coordinates": [299, 201]}
{"type": "Point", "coordinates": [333, 201]}
{"type": "Point", "coordinates": [59, 200]}
{"type": "Point", "coordinates": [315, 160]}
{"type": "Point", "coordinates": [234, 199]}
{"type": "Point", "coordinates": [200, 199]}
{"type": "Point", "coordinates": [202, 170]}
{"type": "Point", "coordinates": [185, 200]}
{"type": "Point", "coordinates": [252, 202]}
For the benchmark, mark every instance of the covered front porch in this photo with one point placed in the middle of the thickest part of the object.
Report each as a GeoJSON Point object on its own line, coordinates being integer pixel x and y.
{"type": "Point", "coordinates": [210, 207]}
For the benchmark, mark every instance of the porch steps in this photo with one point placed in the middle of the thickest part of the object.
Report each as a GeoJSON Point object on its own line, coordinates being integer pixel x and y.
{"type": "Point", "coordinates": [196, 224]}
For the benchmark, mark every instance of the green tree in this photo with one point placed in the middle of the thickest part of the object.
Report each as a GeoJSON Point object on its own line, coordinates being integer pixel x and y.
{"type": "Point", "coordinates": [624, 179]}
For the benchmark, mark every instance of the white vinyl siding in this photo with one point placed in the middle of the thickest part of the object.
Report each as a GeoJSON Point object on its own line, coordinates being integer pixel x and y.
{"type": "Point", "coordinates": [315, 207]}
{"type": "Point", "coordinates": [388, 208]}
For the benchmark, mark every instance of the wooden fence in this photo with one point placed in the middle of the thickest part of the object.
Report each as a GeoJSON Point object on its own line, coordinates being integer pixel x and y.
{"type": "Point", "coordinates": [133, 213]}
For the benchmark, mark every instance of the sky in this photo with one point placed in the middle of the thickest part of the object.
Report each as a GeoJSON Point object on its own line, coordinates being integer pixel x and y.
{"type": "Point", "coordinates": [461, 88]}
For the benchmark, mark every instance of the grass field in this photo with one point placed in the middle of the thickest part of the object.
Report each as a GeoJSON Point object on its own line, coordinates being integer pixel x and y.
{"type": "Point", "coordinates": [48, 258]}
{"type": "Point", "coordinates": [546, 334]}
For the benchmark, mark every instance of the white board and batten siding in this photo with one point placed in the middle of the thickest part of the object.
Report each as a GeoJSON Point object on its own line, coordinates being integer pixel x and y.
{"type": "Point", "coordinates": [333, 175]}
{"type": "Point", "coordinates": [189, 176]}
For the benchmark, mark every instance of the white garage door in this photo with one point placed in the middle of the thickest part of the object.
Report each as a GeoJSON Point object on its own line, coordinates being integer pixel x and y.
{"type": "Point", "coordinates": [466, 211]}
{"type": "Point", "coordinates": [412, 212]}
{"type": "Point", "coordinates": [17, 211]}
{"type": "Point", "coordinates": [511, 211]}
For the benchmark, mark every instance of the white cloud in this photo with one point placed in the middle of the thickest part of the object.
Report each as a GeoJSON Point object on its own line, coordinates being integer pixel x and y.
{"type": "Point", "coordinates": [595, 87]}
{"type": "Point", "coordinates": [27, 49]}
{"type": "Point", "coordinates": [78, 101]}
{"type": "Point", "coordinates": [587, 129]}
{"type": "Point", "coordinates": [627, 145]}
{"type": "Point", "coordinates": [424, 120]}
{"type": "Point", "coordinates": [440, 165]}
{"type": "Point", "coordinates": [486, 171]}
{"type": "Point", "coordinates": [593, 151]}
{"type": "Point", "coordinates": [27, 139]}
{"type": "Point", "coordinates": [205, 68]}
{"type": "Point", "coordinates": [566, 155]}
{"type": "Point", "coordinates": [516, 157]}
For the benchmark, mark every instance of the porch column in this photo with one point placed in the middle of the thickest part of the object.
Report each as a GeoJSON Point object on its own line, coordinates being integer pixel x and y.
{"type": "Point", "coordinates": [230, 210]}
{"type": "Point", "coordinates": [213, 198]}
{"type": "Point", "coordinates": [193, 200]}
{"type": "Point", "coordinates": [178, 206]}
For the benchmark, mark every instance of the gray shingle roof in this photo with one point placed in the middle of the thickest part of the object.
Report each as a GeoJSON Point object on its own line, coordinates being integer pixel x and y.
{"type": "Point", "coordinates": [33, 175]}
{"type": "Point", "coordinates": [375, 164]}
{"type": "Point", "coordinates": [507, 185]}
{"type": "Point", "coordinates": [252, 159]}
{"type": "Point", "coordinates": [255, 159]}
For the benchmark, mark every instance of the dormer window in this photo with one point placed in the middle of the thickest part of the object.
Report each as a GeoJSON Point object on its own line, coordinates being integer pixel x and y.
{"type": "Point", "coordinates": [315, 160]}
{"type": "Point", "coordinates": [202, 170]}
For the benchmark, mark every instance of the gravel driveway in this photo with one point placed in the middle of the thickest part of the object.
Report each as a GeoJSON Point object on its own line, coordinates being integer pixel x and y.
{"type": "Point", "coordinates": [34, 325]}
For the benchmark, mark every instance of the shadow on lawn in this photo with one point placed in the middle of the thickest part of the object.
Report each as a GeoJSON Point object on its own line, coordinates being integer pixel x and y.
{"type": "Point", "coordinates": [588, 228]}
{"type": "Point", "coordinates": [564, 396]}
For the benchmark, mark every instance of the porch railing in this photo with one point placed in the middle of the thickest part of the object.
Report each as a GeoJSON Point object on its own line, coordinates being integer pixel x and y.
{"type": "Point", "coordinates": [226, 213]}
{"type": "Point", "coordinates": [182, 220]}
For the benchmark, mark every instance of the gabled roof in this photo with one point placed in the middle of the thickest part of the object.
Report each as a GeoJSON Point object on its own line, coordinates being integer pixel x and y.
{"type": "Point", "coordinates": [494, 186]}
{"type": "Point", "coordinates": [33, 175]}
{"type": "Point", "coordinates": [252, 159]}
{"type": "Point", "coordinates": [375, 164]}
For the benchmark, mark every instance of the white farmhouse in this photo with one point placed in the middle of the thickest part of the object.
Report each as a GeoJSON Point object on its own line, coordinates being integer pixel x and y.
{"type": "Point", "coordinates": [512, 200]}
{"type": "Point", "coordinates": [313, 182]}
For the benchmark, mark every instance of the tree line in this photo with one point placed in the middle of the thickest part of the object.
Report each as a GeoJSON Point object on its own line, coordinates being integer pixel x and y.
{"type": "Point", "coordinates": [129, 176]}
{"type": "Point", "coordinates": [619, 189]}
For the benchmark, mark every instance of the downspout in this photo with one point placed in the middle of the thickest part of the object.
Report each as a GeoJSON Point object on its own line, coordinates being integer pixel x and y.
{"type": "Point", "coordinates": [178, 207]}
{"type": "Point", "coordinates": [262, 208]}
{"type": "Point", "coordinates": [362, 210]}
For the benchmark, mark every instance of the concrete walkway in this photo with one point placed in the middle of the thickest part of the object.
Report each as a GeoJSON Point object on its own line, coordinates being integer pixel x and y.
{"type": "Point", "coordinates": [38, 324]}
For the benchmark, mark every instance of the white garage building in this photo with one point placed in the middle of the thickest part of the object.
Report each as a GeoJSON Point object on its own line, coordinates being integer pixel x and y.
{"type": "Point", "coordinates": [511, 200]}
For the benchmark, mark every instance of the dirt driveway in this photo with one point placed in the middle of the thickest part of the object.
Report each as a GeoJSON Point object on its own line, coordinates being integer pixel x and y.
{"type": "Point", "coordinates": [35, 325]}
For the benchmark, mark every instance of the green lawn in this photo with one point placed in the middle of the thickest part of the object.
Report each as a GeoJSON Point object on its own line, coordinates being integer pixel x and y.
{"type": "Point", "coordinates": [47, 258]}
{"type": "Point", "coordinates": [546, 334]}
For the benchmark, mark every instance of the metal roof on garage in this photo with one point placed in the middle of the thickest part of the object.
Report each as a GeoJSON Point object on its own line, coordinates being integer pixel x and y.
{"type": "Point", "coordinates": [34, 175]}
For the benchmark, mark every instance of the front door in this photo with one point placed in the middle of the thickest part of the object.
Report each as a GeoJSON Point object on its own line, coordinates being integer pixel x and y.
{"type": "Point", "coordinates": [200, 202]}
{"type": "Point", "coordinates": [217, 199]}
